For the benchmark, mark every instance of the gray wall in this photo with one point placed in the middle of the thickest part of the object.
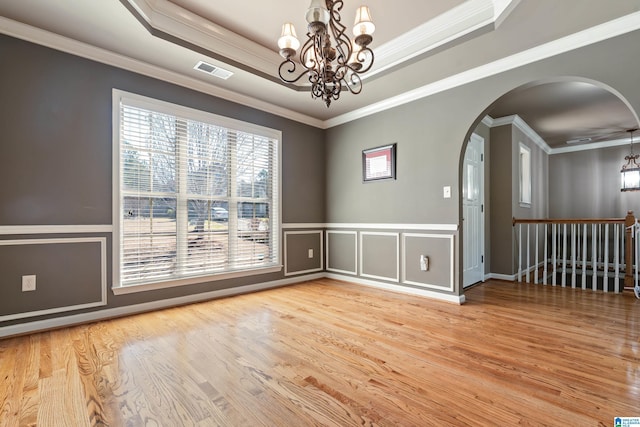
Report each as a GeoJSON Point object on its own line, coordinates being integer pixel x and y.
{"type": "Point", "coordinates": [55, 154]}
{"type": "Point", "coordinates": [505, 195]}
{"type": "Point", "coordinates": [56, 163]}
{"type": "Point", "coordinates": [431, 133]}
{"type": "Point", "coordinates": [501, 203]}
{"type": "Point", "coordinates": [586, 184]}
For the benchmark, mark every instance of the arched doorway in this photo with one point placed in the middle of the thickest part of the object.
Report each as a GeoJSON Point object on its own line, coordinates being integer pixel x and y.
{"type": "Point", "coordinates": [572, 133]}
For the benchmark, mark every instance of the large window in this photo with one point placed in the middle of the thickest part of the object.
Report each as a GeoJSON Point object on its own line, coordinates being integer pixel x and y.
{"type": "Point", "coordinates": [196, 195]}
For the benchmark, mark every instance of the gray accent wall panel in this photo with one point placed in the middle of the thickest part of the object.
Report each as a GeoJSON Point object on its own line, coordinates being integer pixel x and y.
{"type": "Point", "coordinates": [439, 250]}
{"type": "Point", "coordinates": [56, 157]}
{"type": "Point", "coordinates": [297, 247]}
{"type": "Point", "coordinates": [379, 255]}
{"type": "Point", "coordinates": [68, 273]}
{"type": "Point", "coordinates": [342, 251]}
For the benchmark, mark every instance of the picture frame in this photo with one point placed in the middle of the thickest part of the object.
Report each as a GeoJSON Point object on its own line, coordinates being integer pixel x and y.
{"type": "Point", "coordinates": [379, 163]}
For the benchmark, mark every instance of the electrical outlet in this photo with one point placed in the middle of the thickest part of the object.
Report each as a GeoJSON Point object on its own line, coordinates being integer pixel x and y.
{"type": "Point", "coordinates": [28, 283]}
{"type": "Point", "coordinates": [310, 253]}
{"type": "Point", "coordinates": [424, 263]}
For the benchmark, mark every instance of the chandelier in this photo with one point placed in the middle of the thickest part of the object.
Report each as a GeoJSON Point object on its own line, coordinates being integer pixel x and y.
{"type": "Point", "coordinates": [331, 60]}
{"type": "Point", "coordinates": [630, 172]}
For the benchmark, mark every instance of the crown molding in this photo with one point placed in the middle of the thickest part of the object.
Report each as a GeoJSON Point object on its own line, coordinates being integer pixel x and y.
{"type": "Point", "coordinates": [527, 130]}
{"type": "Point", "coordinates": [590, 146]}
{"type": "Point", "coordinates": [605, 31]}
{"type": "Point", "coordinates": [517, 121]}
{"type": "Point", "coordinates": [583, 38]}
{"type": "Point", "coordinates": [444, 29]}
{"type": "Point", "coordinates": [169, 21]}
{"type": "Point", "coordinates": [55, 41]}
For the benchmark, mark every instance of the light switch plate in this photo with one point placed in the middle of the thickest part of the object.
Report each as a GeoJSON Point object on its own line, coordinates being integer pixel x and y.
{"type": "Point", "coordinates": [446, 192]}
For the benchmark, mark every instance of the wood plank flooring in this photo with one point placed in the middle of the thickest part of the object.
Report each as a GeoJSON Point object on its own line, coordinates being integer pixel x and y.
{"type": "Point", "coordinates": [337, 354]}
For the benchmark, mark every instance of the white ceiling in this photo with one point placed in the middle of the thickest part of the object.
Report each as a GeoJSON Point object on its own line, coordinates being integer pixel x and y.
{"type": "Point", "coordinates": [420, 46]}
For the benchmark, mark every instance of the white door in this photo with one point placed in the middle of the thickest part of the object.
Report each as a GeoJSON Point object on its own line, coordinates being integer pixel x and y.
{"type": "Point", "coordinates": [473, 211]}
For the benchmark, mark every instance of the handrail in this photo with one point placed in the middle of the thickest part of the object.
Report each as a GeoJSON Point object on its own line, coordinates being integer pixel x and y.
{"type": "Point", "coordinates": [568, 221]}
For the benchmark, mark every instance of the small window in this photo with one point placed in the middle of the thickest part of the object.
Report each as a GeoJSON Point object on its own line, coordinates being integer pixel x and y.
{"type": "Point", "coordinates": [525, 175]}
{"type": "Point", "coordinates": [196, 195]}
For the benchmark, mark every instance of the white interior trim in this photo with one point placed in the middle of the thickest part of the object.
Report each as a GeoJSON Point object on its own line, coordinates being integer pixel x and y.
{"type": "Point", "coordinates": [590, 146]}
{"type": "Point", "coordinates": [519, 123]}
{"type": "Point", "coordinates": [103, 275]}
{"type": "Point", "coordinates": [84, 50]}
{"type": "Point", "coordinates": [54, 229]}
{"type": "Point", "coordinates": [380, 233]}
{"type": "Point", "coordinates": [291, 226]}
{"type": "Point", "coordinates": [450, 286]}
{"type": "Point", "coordinates": [447, 27]}
{"type": "Point", "coordinates": [93, 316]}
{"type": "Point", "coordinates": [498, 276]}
{"type": "Point", "coordinates": [372, 226]}
{"type": "Point", "coordinates": [132, 289]}
{"type": "Point", "coordinates": [391, 226]}
{"type": "Point", "coordinates": [605, 31]}
{"type": "Point", "coordinates": [355, 252]}
{"type": "Point", "coordinates": [458, 299]}
{"type": "Point", "coordinates": [321, 241]}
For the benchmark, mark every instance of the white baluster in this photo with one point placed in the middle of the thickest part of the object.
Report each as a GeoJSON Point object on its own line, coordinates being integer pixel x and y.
{"type": "Point", "coordinates": [535, 272]}
{"type": "Point", "coordinates": [564, 255]}
{"type": "Point", "coordinates": [594, 257]}
{"type": "Point", "coordinates": [554, 251]}
{"type": "Point", "coordinates": [616, 257]}
{"type": "Point", "coordinates": [605, 277]}
{"type": "Point", "coordinates": [528, 256]}
{"type": "Point", "coordinates": [636, 233]}
{"type": "Point", "coordinates": [546, 254]}
{"type": "Point", "coordinates": [584, 256]}
{"type": "Point", "coordinates": [573, 255]}
{"type": "Point", "coordinates": [519, 252]}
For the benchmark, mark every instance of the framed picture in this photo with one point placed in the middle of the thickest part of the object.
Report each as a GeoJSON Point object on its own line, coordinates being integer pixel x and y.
{"type": "Point", "coordinates": [379, 163]}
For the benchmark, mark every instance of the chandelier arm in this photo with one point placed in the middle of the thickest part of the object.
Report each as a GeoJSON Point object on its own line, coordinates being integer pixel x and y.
{"type": "Point", "coordinates": [290, 70]}
{"type": "Point", "coordinates": [366, 58]}
{"type": "Point", "coordinates": [351, 80]}
{"type": "Point", "coordinates": [338, 31]}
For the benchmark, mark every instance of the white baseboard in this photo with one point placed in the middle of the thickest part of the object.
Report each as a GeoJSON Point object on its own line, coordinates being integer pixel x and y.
{"type": "Point", "coordinates": [497, 276]}
{"type": "Point", "coordinates": [93, 316]}
{"type": "Point", "coordinates": [458, 299]}
{"type": "Point", "coordinates": [75, 319]}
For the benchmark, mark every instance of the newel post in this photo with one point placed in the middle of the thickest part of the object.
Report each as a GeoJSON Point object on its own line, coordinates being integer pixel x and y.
{"type": "Point", "coordinates": [629, 221]}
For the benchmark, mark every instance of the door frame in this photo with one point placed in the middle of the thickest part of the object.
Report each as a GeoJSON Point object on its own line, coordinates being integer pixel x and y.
{"type": "Point", "coordinates": [477, 139]}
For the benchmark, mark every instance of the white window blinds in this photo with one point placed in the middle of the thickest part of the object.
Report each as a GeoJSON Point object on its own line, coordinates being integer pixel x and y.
{"type": "Point", "coordinates": [198, 193]}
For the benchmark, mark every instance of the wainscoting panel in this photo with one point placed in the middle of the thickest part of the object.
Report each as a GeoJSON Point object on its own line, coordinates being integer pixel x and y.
{"type": "Point", "coordinates": [303, 252]}
{"type": "Point", "coordinates": [71, 274]}
{"type": "Point", "coordinates": [380, 255]}
{"type": "Point", "coordinates": [342, 252]}
{"type": "Point", "coordinates": [439, 251]}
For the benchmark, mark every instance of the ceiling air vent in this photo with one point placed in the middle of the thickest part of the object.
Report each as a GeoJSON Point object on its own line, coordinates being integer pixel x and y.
{"type": "Point", "coordinates": [213, 70]}
{"type": "Point", "coordinates": [578, 141]}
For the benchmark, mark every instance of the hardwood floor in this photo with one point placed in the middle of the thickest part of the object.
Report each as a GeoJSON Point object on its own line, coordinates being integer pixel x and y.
{"type": "Point", "coordinates": [337, 354]}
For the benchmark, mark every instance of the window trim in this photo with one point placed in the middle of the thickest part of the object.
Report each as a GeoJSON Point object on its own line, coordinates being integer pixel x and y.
{"type": "Point", "coordinates": [170, 108]}
{"type": "Point", "coordinates": [525, 176]}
